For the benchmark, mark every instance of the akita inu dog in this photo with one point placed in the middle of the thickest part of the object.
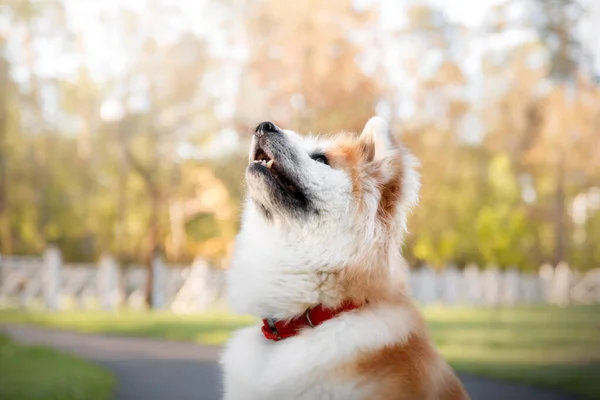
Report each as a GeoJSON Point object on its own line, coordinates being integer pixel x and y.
{"type": "Point", "coordinates": [318, 259]}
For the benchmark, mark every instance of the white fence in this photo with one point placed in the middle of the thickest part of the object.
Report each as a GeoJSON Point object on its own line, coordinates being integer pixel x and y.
{"type": "Point", "coordinates": [47, 282]}
{"type": "Point", "coordinates": [494, 287]}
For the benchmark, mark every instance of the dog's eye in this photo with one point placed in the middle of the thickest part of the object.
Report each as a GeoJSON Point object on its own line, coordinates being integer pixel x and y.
{"type": "Point", "coordinates": [320, 158]}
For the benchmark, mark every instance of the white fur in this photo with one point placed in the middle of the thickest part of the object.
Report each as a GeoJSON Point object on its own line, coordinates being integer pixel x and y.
{"type": "Point", "coordinates": [281, 266]}
{"type": "Point", "coordinates": [303, 366]}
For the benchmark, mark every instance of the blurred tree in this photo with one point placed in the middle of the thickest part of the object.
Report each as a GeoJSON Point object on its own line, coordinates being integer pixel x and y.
{"type": "Point", "coordinates": [5, 235]}
{"type": "Point", "coordinates": [122, 137]}
{"type": "Point", "coordinates": [304, 66]}
{"type": "Point", "coordinates": [117, 140]}
{"type": "Point", "coordinates": [547, 116]}
{"type": "Point", "coordinates": [566, 133]}
{"type": "Point", "coordinates": [432, 109]}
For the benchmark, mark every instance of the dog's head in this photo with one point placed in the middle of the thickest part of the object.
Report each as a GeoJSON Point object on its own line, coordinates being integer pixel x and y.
{"type": "Point", "coordinates": [323, 220]}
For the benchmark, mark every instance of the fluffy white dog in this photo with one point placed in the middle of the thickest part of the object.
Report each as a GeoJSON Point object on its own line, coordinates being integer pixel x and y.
{"type": "Point", "coordinates": [319, 259]}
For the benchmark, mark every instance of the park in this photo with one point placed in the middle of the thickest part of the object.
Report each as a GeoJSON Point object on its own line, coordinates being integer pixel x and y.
{"type": "Point", "coordinates": [124, 136]}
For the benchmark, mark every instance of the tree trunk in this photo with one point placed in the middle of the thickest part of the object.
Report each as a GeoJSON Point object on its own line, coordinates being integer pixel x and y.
{"type": "Point", "coordinates": [153, 240]}
{"type": "Point", "coordinates": [148, 176]}
{"type": "Point", "coordinates": [560, 226]}
{"type": "Point", "coordinates": [5, 240]}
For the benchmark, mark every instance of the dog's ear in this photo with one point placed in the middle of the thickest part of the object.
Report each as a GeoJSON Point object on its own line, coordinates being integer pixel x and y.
{"type": "Point", "coordinates": [394, 169]}
{"type": "Point", "coordinates": [377, 139]}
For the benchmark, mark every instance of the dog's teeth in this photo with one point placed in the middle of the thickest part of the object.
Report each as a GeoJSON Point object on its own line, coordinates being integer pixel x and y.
{"type": "Point", "coordinates": [270, 163]}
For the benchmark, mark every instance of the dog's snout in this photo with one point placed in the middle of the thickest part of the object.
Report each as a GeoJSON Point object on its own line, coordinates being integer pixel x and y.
{"type": "Point", "coordinates": [266, 127]}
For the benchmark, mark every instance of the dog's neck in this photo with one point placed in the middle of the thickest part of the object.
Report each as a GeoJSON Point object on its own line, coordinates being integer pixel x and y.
{"type": "Point", "coordinates": [278, 274]}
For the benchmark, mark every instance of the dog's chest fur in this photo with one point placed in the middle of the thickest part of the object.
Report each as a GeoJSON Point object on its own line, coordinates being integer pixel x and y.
{"type": "Point", "coordinates": [316, 363]}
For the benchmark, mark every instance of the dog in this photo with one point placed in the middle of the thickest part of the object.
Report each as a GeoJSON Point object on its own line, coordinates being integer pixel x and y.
{"type": "Point", "coordinates": [318, 259]}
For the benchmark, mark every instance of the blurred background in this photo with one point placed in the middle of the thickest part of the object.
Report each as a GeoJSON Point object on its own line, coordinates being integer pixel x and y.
{"type": "Point", "coordinates": [124, 128]}
{"type": "Point", "coordinates": [124, 125]}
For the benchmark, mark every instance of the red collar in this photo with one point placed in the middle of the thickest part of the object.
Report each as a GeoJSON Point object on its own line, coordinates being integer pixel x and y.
{"type": "Point", "coordinates": [278, 330]}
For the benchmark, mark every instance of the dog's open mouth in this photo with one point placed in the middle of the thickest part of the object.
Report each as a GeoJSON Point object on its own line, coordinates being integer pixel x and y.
{"type": "Point", "coordinates": [270, 166]}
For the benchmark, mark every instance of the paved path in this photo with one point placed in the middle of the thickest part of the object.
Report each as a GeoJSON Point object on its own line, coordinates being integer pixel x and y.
{"type": "Point", "coordinates": [149, 369]}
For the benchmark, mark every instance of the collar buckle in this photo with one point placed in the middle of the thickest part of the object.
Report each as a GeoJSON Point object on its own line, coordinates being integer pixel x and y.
{"type": "Point", "coordinates": [271, 324]}
{"type": "Point", "coordinates": [307, 315]}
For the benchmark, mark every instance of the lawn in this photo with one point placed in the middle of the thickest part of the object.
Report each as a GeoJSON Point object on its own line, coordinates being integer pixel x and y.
{"type": "Point", "coordinates": [545, 346]}
{"type": "Point", "coordinates": [37, 373]}
{"type": "Point", "coordinates": [210, 328]}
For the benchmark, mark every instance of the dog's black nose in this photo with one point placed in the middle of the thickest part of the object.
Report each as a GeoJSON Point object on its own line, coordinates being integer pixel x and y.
{"type": "Point", "coordinates": [266, 127]}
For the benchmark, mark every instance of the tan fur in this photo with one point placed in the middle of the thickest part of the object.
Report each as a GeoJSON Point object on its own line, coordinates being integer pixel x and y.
{"type": "Point", "coordinates": [350, 156]}
{"type": "Point", "coordinates": [354, 157]}
{"type": "Point", "coordinates": [359, 284]}
{"type": "Point", "coordinates": [408, 370]}
{"type": "Point", "coordinates": [412, 370]}
{"type": "Point", "coordinates": [391, 192]}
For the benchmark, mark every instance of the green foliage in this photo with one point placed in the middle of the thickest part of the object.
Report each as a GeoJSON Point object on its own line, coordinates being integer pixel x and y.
{"type": "Point", "coordinates": [203, 227]}
{"type": "Point", "coordinates": [148, 179]}
{"type": "Point", "coordinates": [500, 232]}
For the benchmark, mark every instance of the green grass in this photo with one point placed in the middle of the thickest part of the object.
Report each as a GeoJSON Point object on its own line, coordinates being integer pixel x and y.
{"type": "Point", "coordinates": [38, 373]}
{"type": "Point", "coordinates": [545, 346]}
{"type": "Point", "coordinates": [211, 328]}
